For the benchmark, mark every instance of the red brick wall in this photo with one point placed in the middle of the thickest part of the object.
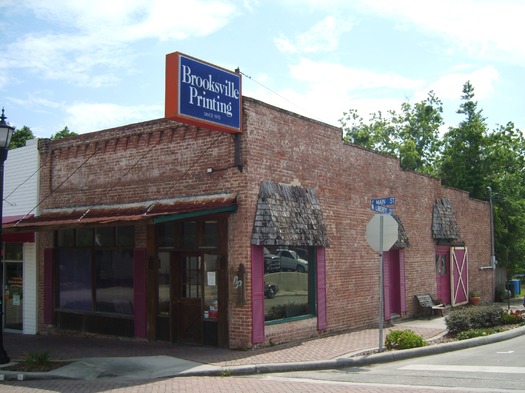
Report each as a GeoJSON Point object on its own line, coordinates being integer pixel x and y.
{"type": "Point", "coordinates": [168, 161]}
{"type": "Point", "coordinates": [290, 149]}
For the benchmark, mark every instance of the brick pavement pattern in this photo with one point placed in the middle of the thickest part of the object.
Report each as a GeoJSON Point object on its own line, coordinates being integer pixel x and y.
{"type": "Point", "coordinates": [211, 384]}
{"type": "Point", "coordinates": [326, 348]}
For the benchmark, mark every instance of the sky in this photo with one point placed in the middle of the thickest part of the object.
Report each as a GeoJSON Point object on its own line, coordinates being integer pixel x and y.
{"type": "Point", "coordinates": [98, 64]}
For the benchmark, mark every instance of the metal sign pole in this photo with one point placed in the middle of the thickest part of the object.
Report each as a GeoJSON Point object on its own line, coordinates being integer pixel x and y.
{"type": "Point", "coordinates": [381, 284]}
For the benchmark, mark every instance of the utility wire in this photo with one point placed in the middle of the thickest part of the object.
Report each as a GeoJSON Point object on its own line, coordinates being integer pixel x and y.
{"type": "Point", "coordinates": [273, 92]}
{"type": "Point", "coordinates": [123, 176]}
{"type": "Point", "coordinates": [152, 206]}
{"type": "Point", "coordinates": [57, 187]}
{"type": "Point", "coordinates": [25, 181]}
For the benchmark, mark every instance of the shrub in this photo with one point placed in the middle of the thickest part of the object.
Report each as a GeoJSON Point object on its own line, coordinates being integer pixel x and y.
{"type": "Point", "coordinates": [478, 317]}
{"type": "Point", "coordinates": [37, 359]}
{"type": "Point", "coordinates": [476, 333]}
{"type": "Point", "coordinates": [404, 339]}
{"type": "Point", "coordinates": [512, 317]}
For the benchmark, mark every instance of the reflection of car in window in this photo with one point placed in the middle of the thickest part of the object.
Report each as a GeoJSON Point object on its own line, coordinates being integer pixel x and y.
{"type": "Point", "coordinates": [270, 290]}
{"type": "Point", "coordinates": [290, 261]}
{"type": "Point", "coordinates": [271, 262]}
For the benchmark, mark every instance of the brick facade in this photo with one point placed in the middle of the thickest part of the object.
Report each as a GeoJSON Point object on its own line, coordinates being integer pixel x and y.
{"type": "Point", "coordinates": [161, 159]}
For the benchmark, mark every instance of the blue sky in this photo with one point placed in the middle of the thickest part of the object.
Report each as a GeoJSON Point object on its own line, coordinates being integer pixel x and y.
{"type": "Point", "coordinates": [92, 65]}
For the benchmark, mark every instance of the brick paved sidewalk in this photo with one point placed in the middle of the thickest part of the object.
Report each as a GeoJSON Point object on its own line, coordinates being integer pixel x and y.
{"type": "Point", "coordinates": [326, 348]}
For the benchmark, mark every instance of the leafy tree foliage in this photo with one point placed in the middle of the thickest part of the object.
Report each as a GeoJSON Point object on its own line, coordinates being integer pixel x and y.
{"type": "Point", "coordinates": [412, 135]}
{"type": "Point", "coordinates": [64, 133]}
{"type": "Point", "coordinates": [505, 172]}
{"type": "Point", "coordinates": [20, 137]}
{"type": "Point", "coordinates": [469, 157]}
{"type": "Point", "coordinates": [462, 160]}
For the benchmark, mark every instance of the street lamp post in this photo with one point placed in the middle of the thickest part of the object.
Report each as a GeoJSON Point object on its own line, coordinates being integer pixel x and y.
{"type": "Point", "coordinates": [6, 132]}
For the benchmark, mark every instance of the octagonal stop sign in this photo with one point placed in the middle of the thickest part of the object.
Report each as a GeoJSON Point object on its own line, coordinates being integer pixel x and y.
{"type": "Point", "coordinates": [390, 232]}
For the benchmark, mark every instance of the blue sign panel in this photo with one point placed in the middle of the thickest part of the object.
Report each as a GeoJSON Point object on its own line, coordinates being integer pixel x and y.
{"type": "Point", "coordinates": [208, 93]}
{"type": "Point", "coordinates": [384, 201]}
{"type": "Point", "coordinates": [381, 209]}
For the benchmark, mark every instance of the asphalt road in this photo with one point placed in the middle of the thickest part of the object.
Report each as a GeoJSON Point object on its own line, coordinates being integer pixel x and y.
{"type": "Point", "coordinates": [487, 368]}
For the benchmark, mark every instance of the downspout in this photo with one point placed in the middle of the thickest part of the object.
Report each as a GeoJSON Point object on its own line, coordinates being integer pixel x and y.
{"type": "Point", "coordinates": [492, 248]}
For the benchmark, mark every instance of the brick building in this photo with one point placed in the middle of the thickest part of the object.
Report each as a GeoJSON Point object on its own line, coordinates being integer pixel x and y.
{"type": "Point", "coordinates": [178, 233]}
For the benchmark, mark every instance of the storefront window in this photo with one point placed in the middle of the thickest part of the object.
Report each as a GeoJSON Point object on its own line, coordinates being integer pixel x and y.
{"type": "Point", "coordinates": [288, 288]}
{"type": "Point", "coordinates": [114, 281]}
{"type": "Point", "coordinates": [14, 251]}
{"type": "Point", "coordinates": [95, 269]}
{"type": "Point", "coordinates": [13, 285]}
{"type": "Point", "coordinates": [189, 235]}
{"type": "Point", "coordinates": [210, 238]}
{"type": "Point", "coordinates": [166, 234]}
{"type": "Point", "coordinates": [66, 238]}
{"type": "Point", "coordinates": [125, 236]}
{"type": "Point", "coordinates": [74, 279]}
{"type": "Point", "coordinates": [164, 283]}
{"type": "Point", "coordinates": [84, 237]}
{"type": "Point", "coordinates": [105, 237]}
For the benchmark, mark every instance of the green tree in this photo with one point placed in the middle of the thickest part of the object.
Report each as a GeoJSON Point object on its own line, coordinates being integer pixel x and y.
{"type": "Point", "coordinates": [462, 160]}
{"type": "Point", "coordinates": [20, 137]}
{"type": "Point", "coordinates": [412, 135]}
{"type": "Point", "coordinates": [504, 169]}
{"type": "Point", "coordinates": [63, 133]}
{"type": "Point", "coordinates": [419, 143]}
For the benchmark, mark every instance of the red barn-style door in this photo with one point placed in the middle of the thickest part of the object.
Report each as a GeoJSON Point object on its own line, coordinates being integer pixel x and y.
{"type": "Point", "coordinates": [459, 276]}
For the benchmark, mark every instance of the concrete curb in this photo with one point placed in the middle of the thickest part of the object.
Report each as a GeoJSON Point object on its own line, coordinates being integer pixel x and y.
{"type": "Point", "coordinates": [341, 362]}
{"type": "Point", "coordinates": [359, 361]}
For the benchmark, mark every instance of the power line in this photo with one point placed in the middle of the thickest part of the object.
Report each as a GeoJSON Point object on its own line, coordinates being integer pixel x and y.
{"type": "Point", "coordinates": [57, 187]}
{"type": "Point", "coordinates": [152, 206]}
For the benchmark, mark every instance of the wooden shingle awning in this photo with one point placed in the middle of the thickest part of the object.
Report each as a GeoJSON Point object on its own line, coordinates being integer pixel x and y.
{"type": "Point", "coordinates": [444, 224]}
{"type": "Point", "coordinates": [288, 215]}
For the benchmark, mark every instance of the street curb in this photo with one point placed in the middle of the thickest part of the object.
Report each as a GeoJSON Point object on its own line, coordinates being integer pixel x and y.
{"type": "Point", "coordinates": [358, 361]}
{"type": "Point", "coordinates": [341, 362]}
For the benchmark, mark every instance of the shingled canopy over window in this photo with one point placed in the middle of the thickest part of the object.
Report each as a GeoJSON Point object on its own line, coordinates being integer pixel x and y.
{"type": "Point", "coordinates": [288, 215]}
{"type": "Point", "coordinates": [444, 225]}
{"type": "Point", "coordinates": [402, 240]}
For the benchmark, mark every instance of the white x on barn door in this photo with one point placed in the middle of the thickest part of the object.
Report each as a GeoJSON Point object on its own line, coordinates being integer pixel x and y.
{"type": "Point", "coordinates": [459, 275]}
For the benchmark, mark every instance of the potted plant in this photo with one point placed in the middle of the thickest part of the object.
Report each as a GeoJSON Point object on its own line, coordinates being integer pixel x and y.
{"type": "Point", "coordinates": [474, 297]}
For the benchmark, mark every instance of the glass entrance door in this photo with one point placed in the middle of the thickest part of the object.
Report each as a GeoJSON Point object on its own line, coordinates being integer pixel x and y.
{"type": "Point", "coordinates": [187, 299]}
{"type": "Point", "coordinates": [13, 295]}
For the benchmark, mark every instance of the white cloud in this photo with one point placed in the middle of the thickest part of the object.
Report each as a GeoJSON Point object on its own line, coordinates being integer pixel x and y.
{"type": "Point", "coordinates": [129, 20]}
{"type": "Point", "coordinates": [326, 90]}
{"type": "Point", "coordinates": [339, 77]}
{"type": "Point", "coordinates": [322, 37]}
{"type": "Point", "coordinates": [86, 117]}
{"type": "Point", "coordinates": [450, 86]}
{"type": "Point", "coordinates": [93, 49]}
{"type": "Point", "coordinates": [483, 29]}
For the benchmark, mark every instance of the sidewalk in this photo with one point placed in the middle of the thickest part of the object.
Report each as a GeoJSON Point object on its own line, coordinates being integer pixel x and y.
{"type": "Point", "coordinates": [93, 358]}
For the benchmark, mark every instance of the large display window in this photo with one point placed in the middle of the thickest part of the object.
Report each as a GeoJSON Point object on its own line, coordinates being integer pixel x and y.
{"type": "Point", "coordinates": [289, 282]}
{"type": "Point", "coordinates": [95, 270]}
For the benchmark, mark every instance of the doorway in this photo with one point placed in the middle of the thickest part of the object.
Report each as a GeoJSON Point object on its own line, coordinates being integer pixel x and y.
{"type": "Point", "coordinates": [442, 261]}
{"type": "Point", "coordinates": [186, 304]}
{"type": "Point", "coordinates": [392, 261]}
{"type": "Point", "coordinates": [189, 298]}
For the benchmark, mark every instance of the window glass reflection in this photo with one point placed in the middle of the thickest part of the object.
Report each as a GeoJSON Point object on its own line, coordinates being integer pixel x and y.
{"type": "Point", "coordinates": [287, 289]}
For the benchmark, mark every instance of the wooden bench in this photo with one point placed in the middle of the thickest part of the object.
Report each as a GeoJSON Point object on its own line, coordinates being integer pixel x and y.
{"type": "Point", "coordinates": [428, 304]}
